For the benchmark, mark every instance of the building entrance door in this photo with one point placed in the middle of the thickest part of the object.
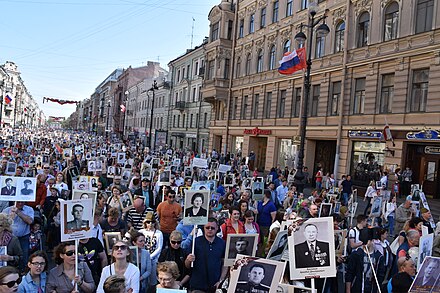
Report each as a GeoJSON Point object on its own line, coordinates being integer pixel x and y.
{"type": "Point", "coordinates": [259, 146]}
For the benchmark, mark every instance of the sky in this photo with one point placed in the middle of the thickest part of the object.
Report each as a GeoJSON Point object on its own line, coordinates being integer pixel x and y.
{"type": "Point", "coordinates": [65, 48]}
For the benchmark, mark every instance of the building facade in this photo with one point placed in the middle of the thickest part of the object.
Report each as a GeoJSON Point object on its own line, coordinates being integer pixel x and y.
{"type": "Point", "coordinates": [378, 65]}
{"type": "Point", "coordinates": [189, 115]}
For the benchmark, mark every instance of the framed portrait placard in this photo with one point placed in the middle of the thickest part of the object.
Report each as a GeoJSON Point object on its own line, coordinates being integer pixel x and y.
{"type": "Point", "coordinates": [286, 288]}
{"type": "Point", "coordinates": [312, 250]}
{"type": "Point", "coordinates": [76, 219]}
{"type": "Point", "coordinates": [17, 188]}
{"type": "Point", "coordinates": [279, 246]}
{"type": "Point", "coordinates": [110, 239]}
{"type": "Point", "coordinates": [243, 244]}
{"type": "Point", "coordinates": [427, 278]}
{"type": "Point", "coordinates": [249, 274]}
{"type": "Point", "coordinates": [85, 194]}
{"type": "Point", "coordinates": [126, 201]}
{"type": "Point", "coordinates": [425, 248]}
{"type": "Point", "coordinates": [196, 207]}
{"type": "Point", "coordinates": [340, 242]}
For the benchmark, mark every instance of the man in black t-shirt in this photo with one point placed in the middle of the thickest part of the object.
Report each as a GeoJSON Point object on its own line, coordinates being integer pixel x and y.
{"type": "Point", "coordinates": [91, 251]}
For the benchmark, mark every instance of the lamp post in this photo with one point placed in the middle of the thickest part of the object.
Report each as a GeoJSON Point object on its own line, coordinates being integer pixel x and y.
{"type": "Point", "coordinates": [153, 88]}
{"type": "Point", "coordinates": [107, 129]}
{"type": "Point", "coordinates": [322, 30]}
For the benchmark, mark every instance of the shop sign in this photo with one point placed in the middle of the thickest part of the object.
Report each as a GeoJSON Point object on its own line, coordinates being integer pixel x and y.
{"type": "Point", "coordinates": [432, 150]}
{"type": "Point", "coordinates": [364, 134]}
{"type": "Point", "coordinates": [423, 135]}
{"type": "Point", "coordinates": [257, 131]}
{"type": "Point", "coordinates": [191, 135]}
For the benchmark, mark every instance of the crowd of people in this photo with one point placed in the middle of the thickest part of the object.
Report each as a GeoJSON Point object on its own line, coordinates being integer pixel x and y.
{"type": "Point", "coordinates": [155, 249]}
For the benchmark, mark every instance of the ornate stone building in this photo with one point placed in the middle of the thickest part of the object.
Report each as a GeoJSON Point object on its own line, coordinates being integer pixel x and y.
{"type": "Point", "coordinates": [379, 64]}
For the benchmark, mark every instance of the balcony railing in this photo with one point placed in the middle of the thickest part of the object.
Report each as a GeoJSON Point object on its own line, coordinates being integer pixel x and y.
{"type": "Point", "coordinates": [180, 105]}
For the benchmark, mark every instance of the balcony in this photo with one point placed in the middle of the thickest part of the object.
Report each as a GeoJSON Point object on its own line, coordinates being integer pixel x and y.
{"type": "Point", "coordinates": [180, 105]}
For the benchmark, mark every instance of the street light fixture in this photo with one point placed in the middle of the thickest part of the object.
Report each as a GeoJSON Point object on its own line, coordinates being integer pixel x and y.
{"type": "Point", "coordinates": [321, 31]}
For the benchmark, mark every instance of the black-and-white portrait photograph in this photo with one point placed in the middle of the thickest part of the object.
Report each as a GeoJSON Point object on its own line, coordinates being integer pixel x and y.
{"type": "Point", "coordinates": [176, 162]}
{"type": "Point", "coordinates": [84, 194]}
{"type": "Point", "coordinates": [3, 251]}
{"type": "Point", "coordinates": [126, 201]}
{"type": "Point", "coordinates": [187, 172]}
{"type": "Point", "coordinates": [313, 250]}
{"type": "Point", "coordinates": [244, 244]}
{"type": "Point", "coordinates": [155, 163]}
{"type": "Point", "coordinates": [164, 178]}
{"type": "Point", "coordinates": [337, 207]}
{"type": "Point", "coordinates": [93, 183]}
{"type": "Point", "coordinates": [67, 153]}
{"type": "Point", "coordinates": [11, 168]}
{"type": "Point", "coordinates": [427, 276]}
{"type": "Point", "coordinates": [79, 149]}
{"type": "Point", "coordinates": [8, 186]}
{"type": "Point", "coordinates": [340, 239]}
{"type": "Point", "coordinates": [425, 248]}
{"type": "Point", "coordinates": [257, 190]}
{"type": "Point", "coordinates": [73, 172]}
{"type": "Point", "coordinates": [325, 210]}
{"type": "Point", "coordinates": [352, 209]}
{"type": "Point", "coordinates": [196, 207]}
{"type": "Point", "coordinates": [223, 214]}
{"type": "Point", "coordinates": [110, 239]}
{"type": "Point", "coordinates": [91, 166]}
{"type": "Point", "coordinates": [269, 179]}
{"type": "Point", "coordinates": [26, 189]}
{"type": "Point", "coordinates": [126, 174]}
{"type": "Point", "coordinates": [249, 274]}
{"type": "Point", "coordinates": [376, 206]}
{"type": "Point", "coordinates": [229, 179]}
{"type": "Point", "coordinates": [279, 246]}
{"type": "Point", "coordinates": [247, 183]}
{"type": "Point", "coordinates": [121, 158]}
{"type": "Point", "coordinates": [88, 156]}
{"type": "Point", "coordinates": [76, 219]}
{"type": "Point", "coordinates": [65, 194]}
{"type": "Point", "coordinates": [286, 288]}
{"type": "Point", "coordinates": [203, 174]}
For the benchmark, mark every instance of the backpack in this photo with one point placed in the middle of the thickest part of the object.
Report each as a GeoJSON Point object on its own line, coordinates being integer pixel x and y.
{"type": "Point", "coordinates": [349, 249]}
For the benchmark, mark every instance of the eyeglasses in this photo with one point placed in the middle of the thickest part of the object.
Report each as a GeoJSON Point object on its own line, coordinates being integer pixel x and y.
{"type": "Point", "coordinates": [171, 196]}
{"type": "Point", "coordinates": [175, 242]}
{"type": "Point", "coordinates": [121, 247]}
{"type": "Point", "coordinates": [210, 228]}
{"type": "Point", "coordinates": [12, 283]}
{"type": "Point", "coordinates": [165, 280]}
{"type": "Point", "coordinates": [70, 252]}
{"type": "Point", "coordinates": [148, 222]}
{"type": "Point", "coordinates": [38, 264]}
{"type": "Point", "coordinates": [45, 167]}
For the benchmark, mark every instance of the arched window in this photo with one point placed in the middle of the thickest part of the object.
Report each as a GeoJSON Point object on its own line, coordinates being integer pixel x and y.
{"type": "Point", "coordinates": [391, 21]}
{"type": "Point", "coordinates": [260, 61]}
{"type": "Point", "coordinates": [248, 64]}
{"type": "Point", "coordinates": [362, 29]}
{"type": "Point", "coordinates": [238, 69]}
{"type": "Point", "coordinates": [339, 37]}
{"type": "Point", "coordinates": [286, 47]}
{"type": "Point", "coordinates": [272, 56]}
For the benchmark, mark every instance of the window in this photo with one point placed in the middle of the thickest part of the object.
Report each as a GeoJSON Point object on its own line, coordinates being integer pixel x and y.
{"type": "Point", "coordinates": [296, 106]}
{"type": "Point", "coordinates": [177, 97]}
{"type": "Point", "coordinates": [191, 121]}
{"type": "Point", "coordinates": [391, 21]}
{"type": "Point", "coordinates": [183, 120]}
{"type": "Point", "coordinates": [319, 47]}
{"type": "Point", "coordinates": [363, 26]}
{"type": "Point", "coordinates": [244, 107]}
{"type": "Point", "coordinates": [387, 93]}
{"type": "Point", "coordinates": [315, 100]}
{"type": "Point", "coordinates": [187, 71]}
{"type": "Point", "coordinates": [183, 73]}
{"type": "Point", "coordinates": [263, 17]}
{"type": "Point", "coordinates": [255, 106]}
{"type": "Point", "coordinates": [197, 120]}
{"type": "Point", "coordinates": [282, 104]}
{"type": "Point", "coordinates": [289, 8]}
{"type": "Point", "coordinates": [334, 99]}
{"type": "Point", "coordinates": [241, 28]}
{"type": "Point", "coordinates": [193, 94]}
{"type": "Point", "coordinates": [268, 106]}
{"type": "Point", "coordinates": [275, 11]}
{"type": "Point", "coordinates": [238, 69]}
{"type": "Point", "coordinates": [205, 120]}
{"type": "Point", "coordinates": [367, 161]}
{"type": "Point", "coordinates": [359, 96]}
{"type": "Point", "coordinates": [286, 47]}
{"type": "Point", "coordinates": [248, 64]}
{"type": "Point", "coordinates": [211, 69]}
{"type": "Point", "coordinates": [230, 29]}
{"type": "Point", "coordinates": [234, 108]}
{"type": "Point", "coordinates": [304, 4]}
{"type": "Point", "coordinates": [251, 23]}
{"type": "Point", "coordinates": [424, 14]}
{"type": "Point", "coordinates": [196, 68]}
{"type": "Point", "coordinates": [339, 37]}
{"type": "Point", "coordinates": [272, 56]}
{"type": "Point", "coordinates": [178, 121]}
{"type": "Point", "coordinates": [214, 31]}
{"type": "Point", "coordinates": [419, 94]}
{"type": "Point", "coordinates": [260, 61]}
{"type": "Point", "coordinates": [178, 75]}
{"type": "Point", "coordinates": [227, 68]}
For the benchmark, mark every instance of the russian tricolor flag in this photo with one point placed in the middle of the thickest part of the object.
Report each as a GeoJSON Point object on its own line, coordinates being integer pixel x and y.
{"type": "Point", "coordinates": [293, 61]}
{"type": "Point", "coordinates": [8, 99]}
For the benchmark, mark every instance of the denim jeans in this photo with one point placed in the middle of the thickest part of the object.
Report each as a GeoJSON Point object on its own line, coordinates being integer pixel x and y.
{"type": "Point", "coordinates": [390, 225]}
{"type": "Point", "coordinates": [24, 243]}
{"type": "Point", "coordinates": [344, 199]}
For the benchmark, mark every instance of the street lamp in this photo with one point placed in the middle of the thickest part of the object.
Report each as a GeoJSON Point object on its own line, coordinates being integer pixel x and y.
{"type": "Point", "coordinates": [322, 30]}
{"type": "Point", "coordinates": [107, 129]}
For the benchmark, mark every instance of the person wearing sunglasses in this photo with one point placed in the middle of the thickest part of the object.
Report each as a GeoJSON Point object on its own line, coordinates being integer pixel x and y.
{"type": "Point", "coordinates": [9, 279]}
{"type": "Point", "coordinates": [174, 252]}
{"type": "Point", "coordinates": [153, 242]}
{"type": "Point", "coordinates": [138, 239]}
{"type": "Point", "coordinates": [35, 279]}
{"type": "Point", "coordinates": [169, 212]}
{"type": "Point", "coordinates": [208, 270]}
{"type": "Point", "coordinates": [122, 267]}
{"type": "Point", "coordinates": [62, 278]}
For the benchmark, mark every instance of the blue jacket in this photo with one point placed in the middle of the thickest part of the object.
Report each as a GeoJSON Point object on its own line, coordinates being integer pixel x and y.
{"type": "Point", "coordinates": [27, 285]}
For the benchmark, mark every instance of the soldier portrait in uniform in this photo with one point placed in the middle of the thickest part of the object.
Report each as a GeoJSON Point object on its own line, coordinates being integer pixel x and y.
{"type": "Point", "coordinates": [256, 280]}
{"type": "Point", "coordinates": [77, 223]}
{"type": "Point", "coordinates": [243, 244]}
{"type": "Point", "coordinates": [8, 188]}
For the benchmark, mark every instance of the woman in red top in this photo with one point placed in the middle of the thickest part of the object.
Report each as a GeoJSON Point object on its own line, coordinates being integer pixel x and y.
{"type": "Point", "coordinates": [232, 225]}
